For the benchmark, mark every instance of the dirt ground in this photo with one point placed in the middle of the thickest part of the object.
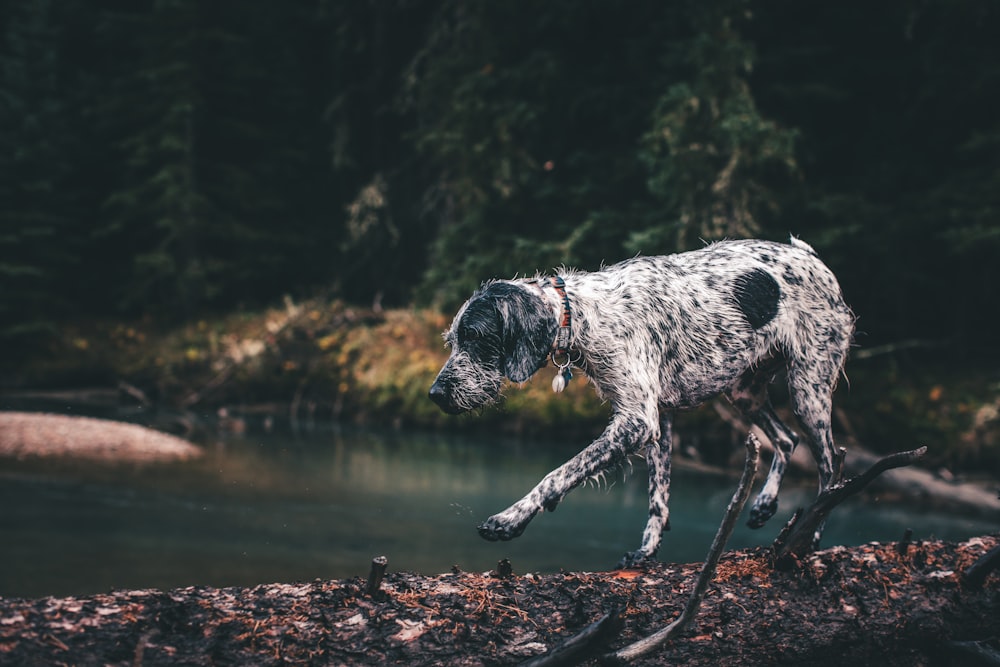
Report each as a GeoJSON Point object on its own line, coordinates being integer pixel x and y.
{"type": "Point", "coordinates": [875, 604]}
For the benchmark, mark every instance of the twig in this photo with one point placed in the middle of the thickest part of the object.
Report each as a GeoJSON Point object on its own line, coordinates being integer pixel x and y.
{"type": "Point", "coordinates": [574, 648]}
{"type": "Point", "coordinates": [981, 651]}
{"type": "Point", "coordinates": [133, 391]}
{"type": "Point", "coordinates": [220, 377]}
{"type": "Point", "coordinates": [141, 647]}
{"type": "Point", "coordinates": [904, 544]}
{"type": "Point", "coordinates": [379, 564]}
{"type": "Point", "coordinates": [652, 642]}
{"type": "Point", "coordinates": [890, 348]}
{"type": "Point", "coordinates": [797, 538]}
{"type": "Point", "coordinates": [975, 575]}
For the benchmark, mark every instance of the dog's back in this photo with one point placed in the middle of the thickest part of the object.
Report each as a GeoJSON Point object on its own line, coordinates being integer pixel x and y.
{"type": "Point", "coordinates": [703, 318]}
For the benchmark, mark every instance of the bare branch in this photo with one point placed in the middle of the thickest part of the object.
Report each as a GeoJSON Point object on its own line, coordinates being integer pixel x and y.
{"type": "Point", "coordinates": [797, 538]}
{"type": "Point", "coordinates": [975, 575]}
{"type": "Point", "coordinates": [573, 649]}
{"type": "Point", "coordinates": [649, 644]}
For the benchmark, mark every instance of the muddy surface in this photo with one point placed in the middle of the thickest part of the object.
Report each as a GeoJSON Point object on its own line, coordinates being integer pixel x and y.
{"type": "Point", "coordinates": [875, 604]}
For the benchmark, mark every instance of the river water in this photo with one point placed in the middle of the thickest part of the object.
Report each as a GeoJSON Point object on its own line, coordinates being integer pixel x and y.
{"type": "Point", "coordinates": [288, 507]}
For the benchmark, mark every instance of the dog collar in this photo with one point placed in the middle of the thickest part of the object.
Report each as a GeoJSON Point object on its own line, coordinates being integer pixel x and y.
{"type": "Point", "coordinates": [561, 345]}
{"type": "Point", "coordinates": [560, 349]}
{"type": "Point", "coordinates": [560, 352]}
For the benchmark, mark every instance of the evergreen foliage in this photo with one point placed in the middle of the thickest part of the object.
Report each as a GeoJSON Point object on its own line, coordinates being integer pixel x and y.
{"type": "Point", "coordinates": [36, 229]}
{"type": "Point", "coordinates": [168, 157]}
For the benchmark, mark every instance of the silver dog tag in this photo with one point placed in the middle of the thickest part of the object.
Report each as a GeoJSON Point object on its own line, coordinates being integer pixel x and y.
{"type": "Point", "coordinates": [561, 379]}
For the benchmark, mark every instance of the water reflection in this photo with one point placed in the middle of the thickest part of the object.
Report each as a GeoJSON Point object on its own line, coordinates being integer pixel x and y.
{"type": "Point", "coordinates": [265, 508]}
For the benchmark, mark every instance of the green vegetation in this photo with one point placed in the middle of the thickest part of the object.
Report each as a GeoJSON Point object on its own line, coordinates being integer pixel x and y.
{"type": "Point", "coordinates": [329, 359]}
{"type": "Point", "coordinates": [345, 362]}
{"type": "Point", "coordinates": [175, 158]}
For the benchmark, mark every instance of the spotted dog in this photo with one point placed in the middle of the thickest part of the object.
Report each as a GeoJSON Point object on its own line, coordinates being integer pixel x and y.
{"type": "Point", "coordinates": [653, 335]}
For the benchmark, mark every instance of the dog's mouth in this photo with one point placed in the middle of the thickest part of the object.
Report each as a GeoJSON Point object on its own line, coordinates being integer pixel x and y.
{"type": "Point", "coordinates": [459, 401]}
{"type": "Point", "coordinates": [450, 409]}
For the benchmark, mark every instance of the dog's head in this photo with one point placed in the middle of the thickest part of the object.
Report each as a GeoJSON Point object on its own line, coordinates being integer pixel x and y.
{"type": "Point", "coordinates": [504, 329]}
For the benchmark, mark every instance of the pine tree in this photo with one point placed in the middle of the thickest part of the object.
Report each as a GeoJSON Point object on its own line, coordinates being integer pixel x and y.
{"type": "Point", "coordinates": [528, 119]}
{"type": "Point", "coordinates": [157, 214]}
{"type": "Point", "coordinates": [898, 121]}
{"type": "Point", "coordinates": [35, 223]}
{"type": "Point", "coordinates": [215, 144]}
{"type": "Point", "coordinates": [715, 162]}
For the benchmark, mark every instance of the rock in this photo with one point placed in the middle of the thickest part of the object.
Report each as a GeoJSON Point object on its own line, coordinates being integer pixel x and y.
{"type": "Point", "coordinates": [29, 435]}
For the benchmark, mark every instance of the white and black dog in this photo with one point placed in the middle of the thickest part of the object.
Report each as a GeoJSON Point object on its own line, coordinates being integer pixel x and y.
{"type": "Point", "coordinates": [656, 334]}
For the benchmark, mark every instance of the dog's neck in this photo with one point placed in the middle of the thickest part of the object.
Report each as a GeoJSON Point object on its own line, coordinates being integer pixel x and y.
{"type": "Point", "coordinates": [559, 354]}
{"type": "Point", "coordinates": [564, 317]}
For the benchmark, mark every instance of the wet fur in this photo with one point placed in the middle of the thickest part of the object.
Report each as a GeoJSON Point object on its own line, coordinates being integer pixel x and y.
{"type": "Point", "coordinates": [657, 334]}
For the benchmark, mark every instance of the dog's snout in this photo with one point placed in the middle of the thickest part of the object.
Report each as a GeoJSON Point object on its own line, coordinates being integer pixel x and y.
{"type": "Point", "coordinates": [438, 394]}
{"type": "Point", "coordinates": [442, 397]}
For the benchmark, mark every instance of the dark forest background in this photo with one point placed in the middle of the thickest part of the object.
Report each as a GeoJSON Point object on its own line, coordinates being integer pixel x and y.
{"type": "Point", "coordinates": [172, 158]}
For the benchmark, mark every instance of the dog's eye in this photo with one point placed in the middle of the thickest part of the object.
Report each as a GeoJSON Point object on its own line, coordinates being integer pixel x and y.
{"type": "Point", "coordinates": [470, 335]}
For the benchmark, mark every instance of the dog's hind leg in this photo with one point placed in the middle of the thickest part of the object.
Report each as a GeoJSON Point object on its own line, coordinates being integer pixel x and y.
{"type": "Point", "coordinates": [658, 463]}
{"type": "Point", "coordinates": [749, 396]}
{"type": "Point", "coordinates": [623, 436]}
{"type": "Point", "coordinates": [811, 386]}
{"type": "Point", "coordinates": [812, 400]}
{"type": "Point", "coordinates": [784, 442]}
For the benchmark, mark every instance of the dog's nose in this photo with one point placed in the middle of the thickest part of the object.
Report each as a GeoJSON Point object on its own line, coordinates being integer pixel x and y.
{"type": "Point", "coordinates": [438, 394]}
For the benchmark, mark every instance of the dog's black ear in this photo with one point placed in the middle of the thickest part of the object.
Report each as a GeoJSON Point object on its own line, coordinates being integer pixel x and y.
{"type": "Point", "coordinates": [528, 329]}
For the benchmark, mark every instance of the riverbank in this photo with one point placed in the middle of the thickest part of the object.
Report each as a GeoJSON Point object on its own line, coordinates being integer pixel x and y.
{"type": "Point", "coordinates": [325, 360]}
{"type": "Point", "coordinates": [321, 360]}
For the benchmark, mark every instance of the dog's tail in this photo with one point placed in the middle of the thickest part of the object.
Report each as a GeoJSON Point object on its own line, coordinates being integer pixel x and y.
{"type": "Point", "coordinates": [802, 245]}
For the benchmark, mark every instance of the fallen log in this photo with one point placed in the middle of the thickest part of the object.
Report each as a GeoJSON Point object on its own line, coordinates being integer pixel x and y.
{"type": "Point", "coordinates": [869, 604]}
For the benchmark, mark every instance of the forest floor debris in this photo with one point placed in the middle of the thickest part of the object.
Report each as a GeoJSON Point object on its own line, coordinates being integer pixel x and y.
{"type": "Point", "coordinates": [879, 603]}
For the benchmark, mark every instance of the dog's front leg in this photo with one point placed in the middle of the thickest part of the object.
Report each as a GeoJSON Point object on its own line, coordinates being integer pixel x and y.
{"type": "Point", "coordinates": [658, 460]}
{"type": "Point", "coordinates": [623, 436]}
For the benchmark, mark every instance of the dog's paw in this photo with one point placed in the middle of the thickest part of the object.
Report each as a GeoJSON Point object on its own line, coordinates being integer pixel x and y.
{"type": "Point", "coordinates": [550, 504]}
{"type": "Point", "coordinates": [634, 560]}
{"type": "Point", "coordinates": [761, 512]}
{"type": "Point", "coordinates": [504, 526]}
